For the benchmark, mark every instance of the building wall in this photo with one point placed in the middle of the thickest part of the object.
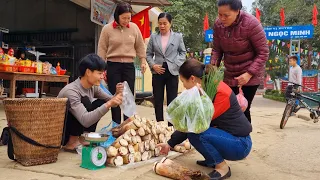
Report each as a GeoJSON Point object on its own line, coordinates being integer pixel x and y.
{"type": "Point", "coordinates": [35, 15]}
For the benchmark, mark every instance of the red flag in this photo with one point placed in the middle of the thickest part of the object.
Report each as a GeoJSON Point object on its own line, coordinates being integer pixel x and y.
{"type": "Point", "coordinates": [258, 14]}
{"type": "Point", "coordinates": [282, 17]}
{"type": "Point", "coordinates": [315, 15]}
{"type": "Point", "coordinates": [141, 19]}
{"type": "Point", "coordinates": [206, 23]}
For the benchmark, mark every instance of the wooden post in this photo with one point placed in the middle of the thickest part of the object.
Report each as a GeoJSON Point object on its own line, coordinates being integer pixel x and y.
{"type": "Point", "coordinates": [13, 88]}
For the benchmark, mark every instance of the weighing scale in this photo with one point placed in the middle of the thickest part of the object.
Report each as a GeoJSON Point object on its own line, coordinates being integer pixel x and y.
{"type": "Point", "coordinates": [94, 156]}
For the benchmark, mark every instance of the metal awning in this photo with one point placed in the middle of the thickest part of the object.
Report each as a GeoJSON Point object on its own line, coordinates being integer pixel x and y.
{"type": "Point", "coordinates": [149, 2]}
{"type": "Point", "coordinates": [154, 3]}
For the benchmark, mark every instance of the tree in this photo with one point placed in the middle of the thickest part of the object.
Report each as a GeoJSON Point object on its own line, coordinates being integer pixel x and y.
{"type": "Point", "coordinates": [298, 12]}
{"type": "Point", "coordinates": [188, 18]}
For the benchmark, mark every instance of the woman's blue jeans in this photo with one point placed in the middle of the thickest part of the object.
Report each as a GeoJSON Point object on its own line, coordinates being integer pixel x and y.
{"type": "Point", "coordinates": [216, 145]}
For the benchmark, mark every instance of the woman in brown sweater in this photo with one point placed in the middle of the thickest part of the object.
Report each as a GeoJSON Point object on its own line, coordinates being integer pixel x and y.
{"type": "Point", "coordinates": [120, 42]}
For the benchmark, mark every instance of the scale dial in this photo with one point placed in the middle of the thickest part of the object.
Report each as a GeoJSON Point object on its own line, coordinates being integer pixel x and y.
{"type": "Point", "coordinates": [98, 156]}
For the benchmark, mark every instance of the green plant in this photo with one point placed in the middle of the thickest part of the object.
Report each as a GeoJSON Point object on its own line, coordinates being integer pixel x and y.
{"type": "Point", "coordinates": [276, 98]}
{"type": "Point", "coordinates": [211, 81]}
{"type": "Point", "coordinates": [268, 91]}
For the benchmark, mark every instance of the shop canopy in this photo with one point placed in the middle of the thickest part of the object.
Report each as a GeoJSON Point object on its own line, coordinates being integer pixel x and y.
{"type": "Point", "coordinates": [149, 2]}
{"type": "Point", "coordinates": [155, 3]}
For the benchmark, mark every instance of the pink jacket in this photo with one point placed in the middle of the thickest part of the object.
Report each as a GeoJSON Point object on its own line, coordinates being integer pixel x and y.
{"type": "Point", "coordinates": [243, 46]}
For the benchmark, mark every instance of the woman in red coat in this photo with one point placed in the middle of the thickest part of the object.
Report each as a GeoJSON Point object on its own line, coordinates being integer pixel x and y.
{"type": "Point", "coordinates": [241, 41]}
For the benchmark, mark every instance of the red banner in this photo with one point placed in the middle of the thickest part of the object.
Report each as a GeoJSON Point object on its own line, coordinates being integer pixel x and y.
{"type": "Point", "coordinates": [270, 86]}
{"type": "Point", "coordinates": [310, 82]}
{"type": "Point", "coordinates": [284, 85]}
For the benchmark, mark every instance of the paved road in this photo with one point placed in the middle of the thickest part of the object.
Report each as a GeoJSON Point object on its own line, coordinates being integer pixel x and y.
{"type": "Point", "coordinates": [292, 153]}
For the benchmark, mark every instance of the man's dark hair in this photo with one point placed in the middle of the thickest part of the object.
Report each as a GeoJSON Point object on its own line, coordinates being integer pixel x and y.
{"type": "Point", "coordinates": [294, 58]}
{"type": "Point", "coordinates": [234, 4]}
{"type": "Point", "coordinates": [92, 62]}
{"type": "Point", "coordinates": [122, 8]}
{"type": "Point", "coordinates": [165, 15]}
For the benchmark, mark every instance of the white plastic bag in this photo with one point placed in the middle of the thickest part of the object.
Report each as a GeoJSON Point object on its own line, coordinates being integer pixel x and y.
{"type": "Point", "coordinates": [191, 111]}
{"type": "Point", "coordinates": [128, 105]}
{"type": "Point", "coordinates": [243, 102]}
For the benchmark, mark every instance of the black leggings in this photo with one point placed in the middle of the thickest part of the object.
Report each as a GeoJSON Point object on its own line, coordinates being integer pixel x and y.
{"type": "Point", "coordinates": [249, 93]}
{"type": "Point", "coordinates": [159, 82]}
{"type": "Point", "coordinates": [74, 127]}
{"type": "Point", "coordinates": [120, 72]}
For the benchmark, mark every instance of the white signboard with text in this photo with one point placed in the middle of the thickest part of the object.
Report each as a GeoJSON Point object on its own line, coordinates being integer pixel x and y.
{"type": "Point", "coordinates": [102, 11]}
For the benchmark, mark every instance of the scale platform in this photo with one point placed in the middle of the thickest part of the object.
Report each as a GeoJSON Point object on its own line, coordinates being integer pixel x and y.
{"type": "Point", "coordinates": [94, 156]}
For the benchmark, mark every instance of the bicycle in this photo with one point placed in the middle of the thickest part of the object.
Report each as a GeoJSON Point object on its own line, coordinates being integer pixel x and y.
{"type": "Point", "coordinates": [292, 96]}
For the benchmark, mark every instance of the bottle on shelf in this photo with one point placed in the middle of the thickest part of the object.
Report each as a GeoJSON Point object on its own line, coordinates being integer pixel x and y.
{"type": "Point", "coordinates": [58, 68]}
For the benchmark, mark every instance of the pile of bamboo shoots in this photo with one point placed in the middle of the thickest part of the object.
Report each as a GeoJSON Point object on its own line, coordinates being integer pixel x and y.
{"type": "Point", "coordinates": [137, 139]}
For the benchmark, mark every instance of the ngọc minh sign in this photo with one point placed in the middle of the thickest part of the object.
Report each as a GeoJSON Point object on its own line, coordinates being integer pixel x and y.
{"type": "Point", "coordinates": [289, 32]}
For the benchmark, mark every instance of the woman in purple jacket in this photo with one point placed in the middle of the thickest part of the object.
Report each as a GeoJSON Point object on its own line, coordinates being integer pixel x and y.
{"type": "Point", "coordinates": [241, 41]}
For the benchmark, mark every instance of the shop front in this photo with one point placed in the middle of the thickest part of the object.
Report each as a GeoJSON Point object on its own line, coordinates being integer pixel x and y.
{"type": "Point", "coordinates": [62, 30]}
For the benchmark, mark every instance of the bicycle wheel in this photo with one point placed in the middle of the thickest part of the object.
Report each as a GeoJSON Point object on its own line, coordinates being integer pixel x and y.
{"type": "Point", "coordinates": [286, 114]}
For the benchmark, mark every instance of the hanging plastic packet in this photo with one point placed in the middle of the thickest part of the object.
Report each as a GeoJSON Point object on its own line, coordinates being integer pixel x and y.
{"type": "Point", "coordinates": [128, 106]}
{"type": "Point", "coordinates": [243, 102]}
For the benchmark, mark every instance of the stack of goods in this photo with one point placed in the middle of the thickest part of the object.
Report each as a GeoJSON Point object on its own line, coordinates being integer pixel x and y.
{"type": "Point", "coordinates": [27, 66]}
{"type": "Point", "coordinates": [11, 64]}
{"type": "Point", "coordinates": [8, 61]}
{"type": "Point", "coordinates": [46, 68]}
{"type": "Point", "coordinates": [137, 139]}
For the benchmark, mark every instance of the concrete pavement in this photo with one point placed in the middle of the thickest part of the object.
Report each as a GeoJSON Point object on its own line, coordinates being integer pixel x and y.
{"type": "Point", "coordinates": [292, 153]}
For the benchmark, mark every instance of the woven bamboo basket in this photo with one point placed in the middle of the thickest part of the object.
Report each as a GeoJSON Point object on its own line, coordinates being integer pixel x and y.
{"type": "Point", "coordinates": [41, 120]}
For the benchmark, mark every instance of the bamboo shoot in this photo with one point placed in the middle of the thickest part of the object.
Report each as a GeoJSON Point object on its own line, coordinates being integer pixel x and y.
{"type": "Point", "coordinates": [138, 139]}
{"type": "Point", "coordinates": [148, 130]}
{"type": "Point", "coordinates": [123, 151]}
{"type": "Point", "coordinates": [134, 140]}
{"type": "Point", "coordinates": [112, 151]}
{"type": "Point", "coordinates": [170, 169]}
{"type": "Point", "coordinates": [131, 132]}
{"type": "Point", "coordinates": [128, 159]}
{"type": "Point", "coordinates": [154, 131]}
{"type": "Point", "coordinates": [136, 148]}
{"type": "Point", "coordinates": [144, 120]}
{"type": "Point", "coordinates": [145, 156]}
{"type": "Point", "coordinates": [125, 126]}
{"type": "Point", "coordinates": [180, 149]}
{"type": "Point", "coordinates": [161, 138]}
{"type": "Point", "coordinates": [149, 155]}
{"type": "Point", "coordinates": [127, 138]}
{"type": "Point", "coordinates": [131, 148]}
{"type": "Point", "coordinates": [152, 153]}
{"type": "Point", "coordinates": [147, 145]}
{"type": "Point", "coordinates": [152, 145]}
{"type": "Point", "coordinates": [141, 132]}
{"type": "Point", "coordinates": [157, 151]}
{"type": "Point", "coordinates": [120, 143]}
{"type": "Point", "coordinates": [115, 161]}
{"type": "Point", "coordinates": [137, 156]}
{"type": "Point", "coordinates": [141, 147]}
{"type": "Point", "coordinates": [187, 145]}
{"type": "Point", "coordinates": [146, 137]}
